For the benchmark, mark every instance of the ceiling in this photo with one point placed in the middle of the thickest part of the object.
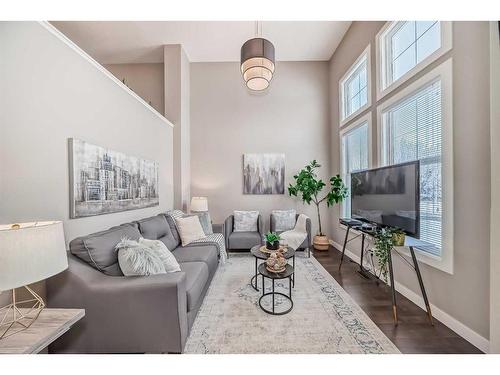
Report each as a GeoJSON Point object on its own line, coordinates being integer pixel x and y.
{"type": "Point", "coordinates": [115, 42]}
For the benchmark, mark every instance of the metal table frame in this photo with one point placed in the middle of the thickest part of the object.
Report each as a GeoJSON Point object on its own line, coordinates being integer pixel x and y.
{"type": "Point", "coordinates": [410, 243]}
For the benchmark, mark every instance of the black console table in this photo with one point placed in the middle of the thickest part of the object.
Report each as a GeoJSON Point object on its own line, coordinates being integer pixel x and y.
{"type": "Point", "coordinates": [410, 242]}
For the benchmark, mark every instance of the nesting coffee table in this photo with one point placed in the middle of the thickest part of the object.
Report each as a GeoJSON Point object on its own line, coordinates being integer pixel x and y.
{"type": "Point", "coordinates": [263, 256]}
{"type": "Point", "coordinates": [288, 273]}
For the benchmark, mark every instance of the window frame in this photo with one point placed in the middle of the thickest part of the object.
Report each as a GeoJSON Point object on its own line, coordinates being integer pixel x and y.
{"type": "Point", "coordinates": [444, 73]}
{"type": "Point", "coordinates": [366, 52]}
{"type": "Point", "coordinates": [367, 118]}
{"type": "Point", "coordinates": [381, 56]}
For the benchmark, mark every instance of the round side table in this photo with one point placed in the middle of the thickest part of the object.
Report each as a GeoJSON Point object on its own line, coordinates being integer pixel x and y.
{"type": "Point", "coordinates": [286, 274]}
{"type": "Point", "coordinates": [255, 251]}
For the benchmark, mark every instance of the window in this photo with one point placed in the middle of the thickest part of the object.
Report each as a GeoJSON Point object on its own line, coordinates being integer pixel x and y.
{"type": "Point", "coordinates": [355, 88]}
{"type": "Point", "coordinates": [405, 47]}
{"type": "Point", "coordinates": [355, 154]}
{"type": "Point", "coordinates": [416, 125]}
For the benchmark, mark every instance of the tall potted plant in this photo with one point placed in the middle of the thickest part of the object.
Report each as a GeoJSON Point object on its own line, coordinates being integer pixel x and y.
{"type": "Point", "coordinates": [308, 187]}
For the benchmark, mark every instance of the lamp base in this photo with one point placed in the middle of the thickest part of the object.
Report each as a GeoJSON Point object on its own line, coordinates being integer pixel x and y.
{"type": "Point", "coordinates": [20, 315]}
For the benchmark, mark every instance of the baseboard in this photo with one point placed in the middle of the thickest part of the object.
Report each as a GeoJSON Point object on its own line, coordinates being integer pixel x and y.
{"type": "Point", "coordinates": [458, 327]}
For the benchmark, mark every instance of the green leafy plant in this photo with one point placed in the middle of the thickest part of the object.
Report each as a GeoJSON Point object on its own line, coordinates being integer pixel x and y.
{"type": "Point", "coordinates": [384, 243]}
{"type": "Point", "coordinates": [272, 237]}
{"type": "Point", "coordinates": [308, 187]}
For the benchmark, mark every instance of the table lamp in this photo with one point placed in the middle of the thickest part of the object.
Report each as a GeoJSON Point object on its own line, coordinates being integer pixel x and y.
{"type": "Point", "coordinates": [29, 252]}
{"type": "Point", "coordinates": [199, 204]}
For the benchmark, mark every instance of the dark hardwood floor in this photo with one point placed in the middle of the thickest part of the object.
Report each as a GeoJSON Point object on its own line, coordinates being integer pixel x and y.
{"type": "Point", "coordinates": [414, 334]}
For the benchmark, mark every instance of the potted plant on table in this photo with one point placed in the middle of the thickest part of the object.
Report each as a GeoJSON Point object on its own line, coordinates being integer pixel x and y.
{"type": "Point", "coordinates": [272, 241]}
{"type": "Point", "coordinates": [308, 187]}
{"type": "Point", "coordinates": [384, 242]}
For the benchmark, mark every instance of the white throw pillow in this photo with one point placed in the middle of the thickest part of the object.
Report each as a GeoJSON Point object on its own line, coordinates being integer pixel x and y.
{"type": "Point", "coordinates": [190, 229]}
{"type": "Point", "coordinates": [136, 259]}
{"type": "Point", "coordinates": [167, 258]}
{"type": "Point", "coordinates": [284, 220]}
{"type": "Point", "coordinates": [245, 221]}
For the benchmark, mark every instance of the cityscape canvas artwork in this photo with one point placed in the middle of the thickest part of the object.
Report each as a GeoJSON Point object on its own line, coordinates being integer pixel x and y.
{"type": "Point", "coordinates": [264, 173]}
{"type": "Point", "coordinates": [105, 181]}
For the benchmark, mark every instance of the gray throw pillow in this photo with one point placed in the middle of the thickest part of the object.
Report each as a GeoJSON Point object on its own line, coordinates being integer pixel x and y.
{"type": "Point", "coordinates": [205, 221]}
{"type": "Point", "coordinates": [283, 220]}
{"type": "Point", "coordinates": [136, 259]}
{"type": "Point", "coordinates": [245, 221]}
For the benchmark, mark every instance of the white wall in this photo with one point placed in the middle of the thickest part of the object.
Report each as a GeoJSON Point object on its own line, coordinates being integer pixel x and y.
{"type": "Point", "coordinates": [228, 121]}
{"type": "Point", "coordinates": [50, 93]}
{"type": "Point", "coordinates": [462, 298]}
{"type": "Point", "coordinates": [177, 104]}
{"type": "Point", "coordinates": [495, 188]}
{"type": "Point", "coordinates": [146, 80]}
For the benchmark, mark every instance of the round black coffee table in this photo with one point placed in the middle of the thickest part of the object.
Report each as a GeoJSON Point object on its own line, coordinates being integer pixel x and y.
{"type": "Point", "coordinates": [286, 274]}
{"type": "Point", "coordinates": [263, 256]}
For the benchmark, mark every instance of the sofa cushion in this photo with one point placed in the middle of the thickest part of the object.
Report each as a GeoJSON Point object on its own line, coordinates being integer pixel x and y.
{"type": "Point", "coordinates": [283, 220]}
{"type": "Point", "coordinates": [245, 221]}
{"type": "Point", "coordinates": [244, 240]}
{"type": "Point", "coordinates": [196, 280]}
{"type": "Point", "coordinates": [157, 228]}
{"type": "Point", "coordinates": [170, 216]}
{"type": "Point", "coordinates": [206, 253]}
{"type": "Point", "coordinates": [98, 249]}
{"type": "Point", "coordinates": [190, 229]}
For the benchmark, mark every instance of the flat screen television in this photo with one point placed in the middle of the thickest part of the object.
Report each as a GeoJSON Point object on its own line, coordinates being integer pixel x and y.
{"type": "Point", "coordinates": [388, 196]}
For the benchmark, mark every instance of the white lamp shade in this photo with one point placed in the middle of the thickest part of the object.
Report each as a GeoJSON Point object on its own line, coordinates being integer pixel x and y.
{"type": "Point", "coordinates": [31, 252]}
{"type": "Point", "coordinates": [199, 204]}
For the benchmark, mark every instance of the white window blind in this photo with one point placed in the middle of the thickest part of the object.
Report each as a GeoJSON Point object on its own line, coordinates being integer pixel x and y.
{"type": "Point", "coordinates": [412, 129]}
{"type": "Point", "coordinates": [355, 149]}
{"type": "Point", "coordinates": [406, 44]}
{"type": "Point", "coordinates": [355, 88]}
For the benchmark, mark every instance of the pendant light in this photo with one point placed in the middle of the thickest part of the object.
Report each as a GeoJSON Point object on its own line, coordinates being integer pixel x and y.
{"type": "Point", "coordinates": [257, 62]}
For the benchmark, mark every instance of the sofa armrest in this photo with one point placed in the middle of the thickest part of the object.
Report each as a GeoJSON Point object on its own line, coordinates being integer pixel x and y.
{"type": "Point", "coordinates": [122, 314]}
{"type": "Point", "coordinates": [228, 229]}
{"type": "Point", "coordinates": [260, 226]}
{"type": "Point", "coordinates": [308, 230]}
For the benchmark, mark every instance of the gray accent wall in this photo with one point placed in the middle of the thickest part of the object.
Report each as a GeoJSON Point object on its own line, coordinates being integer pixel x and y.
{"type": "Point", "coordinates": [464, 296]}
{"type": "Point", "coordinates": [51, 93]}
{"type": "Point", "coordinates": [227, 120]}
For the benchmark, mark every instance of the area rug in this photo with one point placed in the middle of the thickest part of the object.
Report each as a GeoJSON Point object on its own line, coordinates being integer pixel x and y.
{"type": "Point", "coordinates": [324, 318]}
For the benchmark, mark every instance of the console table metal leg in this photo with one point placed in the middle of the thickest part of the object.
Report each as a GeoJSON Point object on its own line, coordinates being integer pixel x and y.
{"type": "Point", "coordinates": [393, 289]}
{"type": "Point", "coordinates": [293, 264]}
{"type": "Point", "coordinates": [420, 281]}
{"type": "Point", "coordinates": [362, 253]}
{"type": "Point", "coordinates": [290, 284]}
{"type": "Point", "coordinates": [256, 274]}
{"type": "Point", "coordinates": [343, 247]}
{"type": "Point", "coordinates": [273, 296]}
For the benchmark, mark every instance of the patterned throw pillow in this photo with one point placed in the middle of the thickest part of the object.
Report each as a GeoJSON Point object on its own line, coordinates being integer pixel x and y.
{"type": "Point", "coordinates": [283, 220]}
{"type": "Point", "coordinates": [136, 259]}
{"type": "Point", "coordinates": [166, 257]}
{"type": "Point", "coordinates": [245, 221]}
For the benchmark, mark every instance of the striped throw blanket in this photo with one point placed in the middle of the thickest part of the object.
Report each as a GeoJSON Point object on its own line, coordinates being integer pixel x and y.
{"type": "Point", "coordinates": [216, 239]}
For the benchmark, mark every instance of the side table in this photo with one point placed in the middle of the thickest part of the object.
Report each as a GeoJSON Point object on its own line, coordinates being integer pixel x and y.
{"type": "Point", "coordinates": [49, 326]}
{"type": "Point", "coordinates": [286, 274]}
{"type": "Point", "coordinates": [255, 251]}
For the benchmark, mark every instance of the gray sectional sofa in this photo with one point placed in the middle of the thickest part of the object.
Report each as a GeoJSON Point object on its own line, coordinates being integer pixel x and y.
{"type": "Point", "coordinates": [151, 314]}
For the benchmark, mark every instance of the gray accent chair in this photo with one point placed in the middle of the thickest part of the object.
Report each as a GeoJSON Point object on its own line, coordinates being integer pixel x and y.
{"type": "Point", "coordinates": [143, 314]}
{"type": "Point", "coordinates": [307, 244]}
{"type": "Point", "coordinates": [242, 240]}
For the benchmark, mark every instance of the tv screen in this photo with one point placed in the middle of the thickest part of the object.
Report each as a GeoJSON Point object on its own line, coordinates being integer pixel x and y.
{"type": "Point", "coordinates": [388, 196]}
